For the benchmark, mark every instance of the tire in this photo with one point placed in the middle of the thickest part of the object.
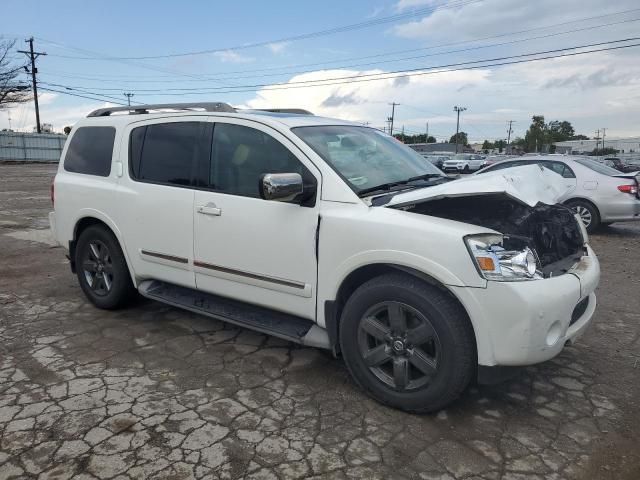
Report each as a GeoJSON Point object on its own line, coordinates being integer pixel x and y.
{"type": "Point", "coordinates": [588, 212]}
{"type": "Point", "coordinates": [422, 369]}
{"type": "Point", "coordinates": [102, 270]}
{"type": "Point", "coordinates": [466, 169]}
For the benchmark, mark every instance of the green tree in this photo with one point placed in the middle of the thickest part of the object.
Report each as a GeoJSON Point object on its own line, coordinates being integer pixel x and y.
{"type": "Point", "coordinates": [500, 145]}
{"type": "Point", "coordinates": [487, 145]}
{"type": "Point", "coordinates": [462, 139]}
{"type": "Point", "coordinates": [535, 136]}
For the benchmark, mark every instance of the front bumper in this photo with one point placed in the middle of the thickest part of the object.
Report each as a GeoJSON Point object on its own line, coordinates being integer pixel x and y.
{"type": "Point", "coordinates": [522, 323]}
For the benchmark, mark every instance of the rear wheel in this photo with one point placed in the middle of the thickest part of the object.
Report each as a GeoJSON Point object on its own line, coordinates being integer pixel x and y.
{"type": "Point", "coordinates": [588, 213]}
{"type": "Point", "coordinates": [102, 270]}
{"type": "Point", "coordinates": [408, 344]}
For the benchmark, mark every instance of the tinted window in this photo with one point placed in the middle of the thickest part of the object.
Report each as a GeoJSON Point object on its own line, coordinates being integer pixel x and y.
{"type": "Point", "coordinates": [90, 151]}
{"type": "Point", "coordinates": [241, 155]}
{"type": "Point", "coordinates": [169, 153]}
{"type": "Point", "coordinates": [597, 167]}
{"type": "Point", "coordinates": [559, 168]}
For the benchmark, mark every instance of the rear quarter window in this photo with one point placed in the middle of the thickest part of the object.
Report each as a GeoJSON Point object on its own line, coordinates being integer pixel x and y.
{"type": "Point", "coordinates": [90, 151]}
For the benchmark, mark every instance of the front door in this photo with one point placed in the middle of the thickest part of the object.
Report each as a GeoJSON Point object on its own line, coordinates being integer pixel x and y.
{"type": "Point", "coordinates": [247, 248]}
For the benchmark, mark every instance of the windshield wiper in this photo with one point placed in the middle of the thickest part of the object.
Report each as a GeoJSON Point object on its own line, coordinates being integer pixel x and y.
{"type": "Point", "coordinates": [390, 185]}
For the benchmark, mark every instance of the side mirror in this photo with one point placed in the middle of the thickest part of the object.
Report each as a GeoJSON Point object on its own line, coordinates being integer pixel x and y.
{"type": "Point", "coordinates": [282, 187]}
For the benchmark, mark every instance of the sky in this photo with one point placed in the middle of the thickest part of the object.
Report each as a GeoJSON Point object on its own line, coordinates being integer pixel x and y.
{"type": "Point", "coordinates": [338, 58]}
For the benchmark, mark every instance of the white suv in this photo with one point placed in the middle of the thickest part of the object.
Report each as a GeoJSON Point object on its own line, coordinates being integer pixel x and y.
{"type": "Point", "coordinates": [329, 234]}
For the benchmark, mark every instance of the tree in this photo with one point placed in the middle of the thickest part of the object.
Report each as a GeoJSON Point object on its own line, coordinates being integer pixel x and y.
{"type": "Point", "coordinates": [604, 151]}
{"type": "Point", "coordinates": [420, 138]}
{"type": "Point", "coordinates": [462, 139]}
{"type": "Point", "coordinates": [535, 136]}
{"type": "Point", "coordinates": [500, 145]}
{"type": "Point", "coordinates": [12, 91]}
{"type": "Point", "coordinates": [487, 145]}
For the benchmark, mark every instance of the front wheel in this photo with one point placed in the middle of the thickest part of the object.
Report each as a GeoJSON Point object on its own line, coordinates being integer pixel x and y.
{"type": "Point", "coordinates": [102, 270]}
{"type": "Point", "coordinates": [466, 169]}
{"type": "Point", "coordinates": [407, 343]}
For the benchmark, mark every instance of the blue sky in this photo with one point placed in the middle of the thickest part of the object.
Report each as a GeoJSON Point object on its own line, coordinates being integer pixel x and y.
{"type": "Point", "coordinates": [591, 91]}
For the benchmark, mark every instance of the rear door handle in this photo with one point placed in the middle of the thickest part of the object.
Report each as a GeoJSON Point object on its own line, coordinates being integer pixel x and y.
{"type": "Point", "coordinates": [209, 209]}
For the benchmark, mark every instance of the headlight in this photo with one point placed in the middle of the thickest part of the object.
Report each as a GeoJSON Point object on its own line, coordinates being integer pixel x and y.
{"type": "Point", "coordinates": [496, 263]}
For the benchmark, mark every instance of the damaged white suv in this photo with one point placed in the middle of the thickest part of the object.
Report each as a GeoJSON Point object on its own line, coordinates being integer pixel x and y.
{"type": "Point", "coordinates": [329, 234]}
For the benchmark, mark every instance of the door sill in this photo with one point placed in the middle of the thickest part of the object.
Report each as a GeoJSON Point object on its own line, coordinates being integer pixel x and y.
{"type": "Point", "coordinates": [261, 319]}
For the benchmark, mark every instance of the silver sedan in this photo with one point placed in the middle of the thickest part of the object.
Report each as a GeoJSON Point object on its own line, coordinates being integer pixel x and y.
{"type": "Point", "coordinates": [599, 194]}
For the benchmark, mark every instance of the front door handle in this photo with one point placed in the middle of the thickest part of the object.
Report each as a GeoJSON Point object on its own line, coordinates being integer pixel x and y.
{"type": "Point", "coordinates": [209, 209]}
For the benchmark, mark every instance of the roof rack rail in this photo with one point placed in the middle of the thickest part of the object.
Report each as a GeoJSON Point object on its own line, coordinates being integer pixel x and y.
{"type": "Point", "coordinates": [141, 109]}
{"type": "Point", "coordinates": [299, 111]}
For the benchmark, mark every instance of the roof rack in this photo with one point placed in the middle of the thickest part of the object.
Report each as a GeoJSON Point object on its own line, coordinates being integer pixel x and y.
{"type": "Point", "coordinates": [141, 109]}
{"type": "Point", "coordinates": [299, 111]}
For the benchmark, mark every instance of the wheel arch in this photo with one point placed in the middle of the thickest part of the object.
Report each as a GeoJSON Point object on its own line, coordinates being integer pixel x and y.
{"type": "Point", "coordinates": [357, 277]}
{"type": "Point", "coordinates": [88, 221]}
{"type": "Point", "coordinates": [583, 199]}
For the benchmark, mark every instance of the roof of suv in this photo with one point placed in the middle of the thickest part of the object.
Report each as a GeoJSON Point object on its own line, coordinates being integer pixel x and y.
{"type": "Point", "coordinates": [280, 119]}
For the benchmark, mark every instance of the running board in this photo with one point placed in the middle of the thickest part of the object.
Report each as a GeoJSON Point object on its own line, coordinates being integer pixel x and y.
{"type": "Point", "coordinates": [261, 319]}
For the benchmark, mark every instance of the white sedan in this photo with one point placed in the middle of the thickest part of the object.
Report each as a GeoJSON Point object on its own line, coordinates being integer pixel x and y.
{"type": "Point", "coordinates": [599, 194]}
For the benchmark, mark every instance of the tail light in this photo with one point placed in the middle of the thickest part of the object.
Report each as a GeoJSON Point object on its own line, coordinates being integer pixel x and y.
{"type": "Point", "coordinates": [52, 192]}
{"type": "Point", "coordinates": [631, 189]}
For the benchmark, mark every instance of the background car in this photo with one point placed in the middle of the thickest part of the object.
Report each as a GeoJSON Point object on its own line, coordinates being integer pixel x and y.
{"type": "Point", "coordinates": [618, 164]}
{"type": "Point", "coordinates": [598, 193]}
{"type": "Point", "coordinates": [464, 163]}
{"type": "Point", "coordinates": [435, 159]}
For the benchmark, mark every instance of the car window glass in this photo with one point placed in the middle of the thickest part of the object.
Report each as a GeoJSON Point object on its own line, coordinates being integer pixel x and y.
{"type": "Point", "coordinates": [90, 151]}
{"type": "Point", "coordinates": [596, 166]}
{"type": "Point", "coordinates": [168, 152]}
{"type": "Point", "coordinates": [240, 155]}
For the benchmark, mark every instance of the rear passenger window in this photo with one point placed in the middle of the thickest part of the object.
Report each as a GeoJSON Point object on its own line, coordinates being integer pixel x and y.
{"type": "Point", "coordinates": [90, 151]}
{"type": "Point", "coordinates": [242, 154]}
{"type": "Point", "coordinates": [168, 153]}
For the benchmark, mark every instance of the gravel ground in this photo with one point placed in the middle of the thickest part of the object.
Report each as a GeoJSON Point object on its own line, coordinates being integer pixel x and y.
{"type": "Point", "coordinates": [155, 392]}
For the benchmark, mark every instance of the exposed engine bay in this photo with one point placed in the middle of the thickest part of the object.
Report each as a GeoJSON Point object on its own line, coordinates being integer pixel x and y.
{"type": "Point", "coordinates": [550, 231]}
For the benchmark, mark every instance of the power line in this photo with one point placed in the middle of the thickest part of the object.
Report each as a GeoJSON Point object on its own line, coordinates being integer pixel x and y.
{"type": "Point", "coordinates": [470, 65]}
{"type": "Point", "coordinates": [78, 95]}
{"type": "Point", "coordinates": [214, 78]}
{"type": "Point", "coordinates": [304, 36]}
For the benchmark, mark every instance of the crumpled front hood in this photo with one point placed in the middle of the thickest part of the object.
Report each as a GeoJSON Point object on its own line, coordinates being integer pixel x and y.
{"type": "Point", "coordinates": [530, 184]}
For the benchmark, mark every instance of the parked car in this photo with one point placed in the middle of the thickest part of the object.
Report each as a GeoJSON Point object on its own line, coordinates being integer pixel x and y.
{"type": "Point", "coordinates": [329, 234]}
{"type": "Point", "coordinates": [619, 165]}
{"type": "Point", "coordinates": [463, 163]}
{"type": "Point", "coordinates": [598, 193]}
{"type": "Point", "coordinates": [437, 160]}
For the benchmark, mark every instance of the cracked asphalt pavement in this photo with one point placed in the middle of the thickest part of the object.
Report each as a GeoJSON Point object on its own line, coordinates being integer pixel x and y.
{"type": "Point", "coordinates": [155, 392]}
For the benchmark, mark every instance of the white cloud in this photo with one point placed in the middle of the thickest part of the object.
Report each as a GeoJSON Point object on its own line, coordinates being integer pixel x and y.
{"type": "Point", "coordinates": [493, 96]}
{"type": "Point", "coordinates": [229, 56]}
{"type": "Point", "coordinates": [277, 47]}
{"type": "Point", "coordinates": [481, 19]}
{"type": "Point", "coordinates": [51, 111]}
{"type": "Point", "coordinates": [407, 4]}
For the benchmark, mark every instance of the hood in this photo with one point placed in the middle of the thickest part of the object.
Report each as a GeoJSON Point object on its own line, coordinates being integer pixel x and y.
{"type": "Point", "coordinates": [530, 184]}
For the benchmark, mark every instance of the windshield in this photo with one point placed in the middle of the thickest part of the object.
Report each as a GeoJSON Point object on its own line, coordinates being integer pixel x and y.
{"type": "Point", "coordinates": [597, 167]}
{"type": "Point", "coordinates": [365, 157]}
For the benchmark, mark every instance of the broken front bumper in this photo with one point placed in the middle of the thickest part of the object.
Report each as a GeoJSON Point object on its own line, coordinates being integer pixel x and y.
{"type": "Point", "coordinates": [522, 323]}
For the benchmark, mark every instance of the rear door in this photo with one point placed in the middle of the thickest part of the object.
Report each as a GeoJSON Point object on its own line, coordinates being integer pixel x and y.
{"type": "Point", "coordinates": [155, 197]}
{"type": "Point", "coordinates": [567, 174]}
{"type": "Point", "coordinates": [255, 250]}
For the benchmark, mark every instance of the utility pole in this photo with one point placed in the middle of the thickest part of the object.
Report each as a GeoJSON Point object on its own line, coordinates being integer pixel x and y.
{"type": "Point", "coordinates": [458, 109]}
{"type": "Point", "coordinates": [597, 140]}
{"type": "Point", "coordinates": [604, 130]}
{"type": "Point", "coordinates": [509, 132]}
{"type": "Point", "coordinates": [426, 138]}
{"type": "Point", "coordinates": [9, 116]}
{"type": "Point", "coordinates": [33, 55]}
{"type": "Point", "coordinates": [391, 118]}
{"type": "Point", "coordinates": [129, 95]}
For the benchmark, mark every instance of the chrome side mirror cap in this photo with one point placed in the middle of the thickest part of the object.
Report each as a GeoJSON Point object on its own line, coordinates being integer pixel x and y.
{"type": "Point", "coordinates": [282, 187]}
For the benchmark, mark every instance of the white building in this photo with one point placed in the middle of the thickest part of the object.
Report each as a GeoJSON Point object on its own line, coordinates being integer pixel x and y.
{"type": "Point", "coordinates": [623, 145]}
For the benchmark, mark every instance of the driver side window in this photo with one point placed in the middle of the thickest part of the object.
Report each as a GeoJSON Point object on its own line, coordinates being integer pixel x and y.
{"type": "Point", "coordinates": [240, 155]}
